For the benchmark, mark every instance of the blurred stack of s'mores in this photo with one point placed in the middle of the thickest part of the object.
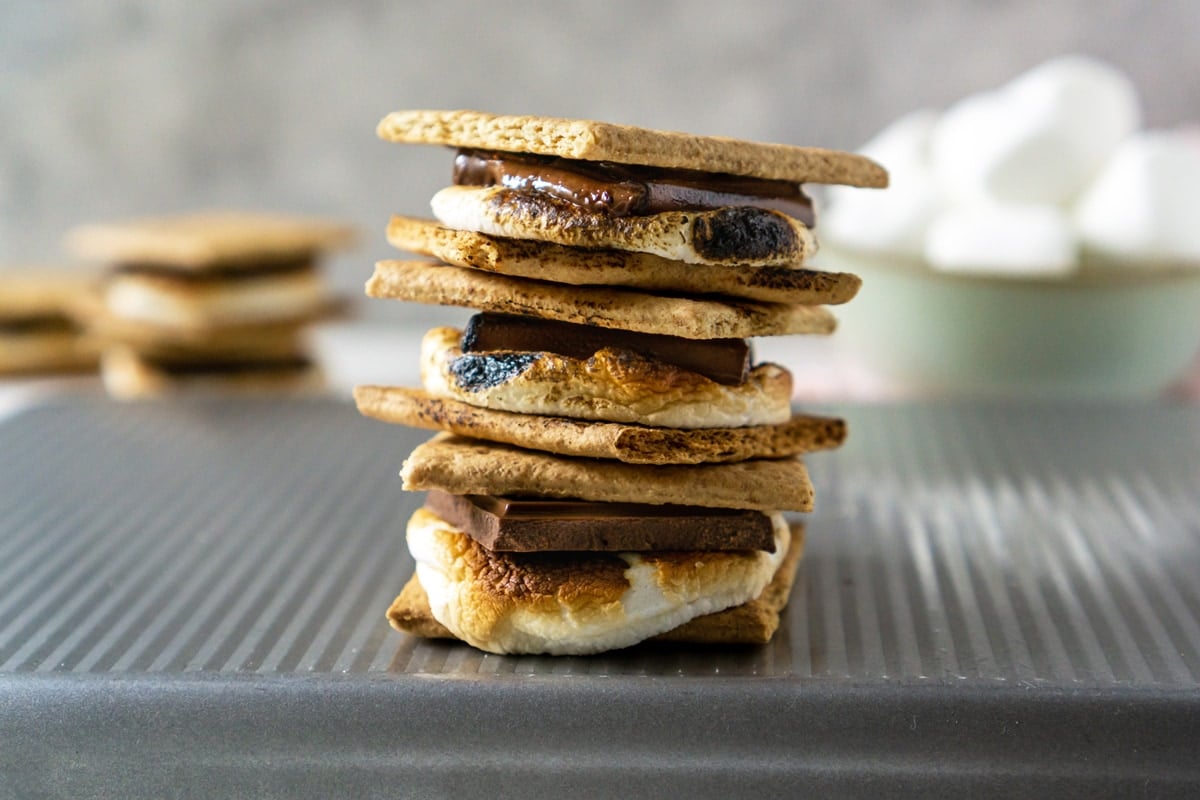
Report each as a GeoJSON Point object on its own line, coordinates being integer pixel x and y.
{"type": "Point", "coordinates": [612, 465]}
{"type": "Point", "coordinates": [210, 301]}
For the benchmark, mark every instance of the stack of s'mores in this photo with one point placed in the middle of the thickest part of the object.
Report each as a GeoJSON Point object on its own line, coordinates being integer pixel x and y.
{"type": "Point", "coordinates": [612, 465]}
{"type": "Point", "coordinates": [210, 301]}
{"type": "Point", "coordinates": [43, 317]}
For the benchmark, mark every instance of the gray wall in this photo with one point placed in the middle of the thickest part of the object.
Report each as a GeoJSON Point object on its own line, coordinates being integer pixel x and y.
{"type": "Point", "coordinates": [110, 109]}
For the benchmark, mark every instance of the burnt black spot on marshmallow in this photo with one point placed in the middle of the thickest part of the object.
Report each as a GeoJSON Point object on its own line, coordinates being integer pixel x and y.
{"type": "Point", "coordinates": [744, 233]}
{"type": "Point", "coordinates": [474, 372]}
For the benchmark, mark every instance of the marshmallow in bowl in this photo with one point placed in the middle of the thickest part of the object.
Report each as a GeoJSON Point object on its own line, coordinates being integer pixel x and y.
{"type": "Point", "coordinates": [1025, 240]}
{"type": "Point", "coordinates": [1046, 175]}
{"type": "Point", "coordinates": [1095, 105]}
{"type": "Point", "coordinates": [893, 221]}
{"type": "Point", "coordinates": [904, 144]}
{"type": "Point", "coordinates": [1037, 140]}
{"type": "Point", "coordinates": [1144, 204]}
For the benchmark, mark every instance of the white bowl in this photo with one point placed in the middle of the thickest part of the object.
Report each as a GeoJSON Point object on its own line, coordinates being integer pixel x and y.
{"type": "Point", "coordinates": [1106, 333]}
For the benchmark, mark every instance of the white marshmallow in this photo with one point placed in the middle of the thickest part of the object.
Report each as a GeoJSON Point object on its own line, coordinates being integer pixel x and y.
{"type": "Point", "coordinates": [904, 144]}
{"type": "Point", "coordinates": [894, 220]}
{"type": "Point", "coordinates": [961, 144]}
{"type": "Point", "coordinates": [1145, 205]}
{"type": "Point", "coordinates": [1095, 105]}
{"type": "Point", "coordinates": [1030, 240]}
{"type": "Point", "coordinates": [1037, 140]}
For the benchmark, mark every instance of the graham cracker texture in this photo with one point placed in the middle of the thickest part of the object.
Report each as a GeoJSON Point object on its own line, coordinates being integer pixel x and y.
{"type": "Point", "coordinates": [631, 444]}
{"type": "Point", "coordinates": [460, 465]}
{"type": "Point", "coordinates": [215, 239]}
{"type": "Point", "coordinates": [36, 292]}
{"type": "Point", "coordinates": [590, 140]}
{"type": "Point", "coordinates": [605, 307]}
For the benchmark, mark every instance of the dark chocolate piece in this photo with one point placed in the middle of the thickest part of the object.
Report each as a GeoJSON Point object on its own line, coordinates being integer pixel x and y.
{"type": "Point", "coordinates": [624, 190]}
{"type": "Point", "coordinates": [725, 361]}
{"type": "Point", "coordinates": [39, 323]}
{"type": "Point", "coordinates": [229, 271]}
{"type": "Point", "coordinates": [230, 367]}
{"type": "Point", "coordinates": [535, 525]}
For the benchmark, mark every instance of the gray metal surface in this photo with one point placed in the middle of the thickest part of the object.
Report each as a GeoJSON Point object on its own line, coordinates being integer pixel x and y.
{"type": "Point", "coordinates": [993, 599]}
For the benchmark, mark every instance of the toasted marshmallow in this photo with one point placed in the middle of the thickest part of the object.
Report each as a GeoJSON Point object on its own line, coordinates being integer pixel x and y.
{"type": "Point", "coordinates": [1143, 206]}
{"type": "Point", "coordinates": [1037, 140]}
{"type": "Point", "coordinates": [611, 386]}
{"type": "Point", "coordinates": [1007, 240]}
{"type": "Point", "coordinates": [173, 304]}
{"type": "Point", "coordinates": [503, 603]}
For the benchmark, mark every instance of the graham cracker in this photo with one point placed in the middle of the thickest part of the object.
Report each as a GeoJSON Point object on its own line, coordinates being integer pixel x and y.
{"type": "Point", "coordinates": [605, 307]}
{"type": "Point", "coordinates": [45, 352]}
{"type": "Point", "coordinates": [40, 292]}
{"type": "Point", "coordinates": [631, 444]}
{"type": "Point", "coordinates": [590, 140]}
{"type": "Point", "coordinates": [460, 465]}
{"type": "Point", "coordinates": [210, 239]}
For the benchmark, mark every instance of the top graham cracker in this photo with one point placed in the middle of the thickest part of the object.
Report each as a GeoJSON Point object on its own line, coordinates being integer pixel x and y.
{"type": "Point", "coordinates": [588, 140]}
{"type": "Point", "coordinates": [211, 239]}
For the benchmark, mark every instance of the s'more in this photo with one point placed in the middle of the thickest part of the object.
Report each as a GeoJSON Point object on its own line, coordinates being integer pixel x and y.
{"type": "Point", "coordinates": [213, 300]}
{"type": "Point", "coordinates": [43, 315]}
{"type": "Point", "coordinates": [611, 464]}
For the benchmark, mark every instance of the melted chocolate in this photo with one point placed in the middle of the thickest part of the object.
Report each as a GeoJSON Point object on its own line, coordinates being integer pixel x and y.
{"type": "Point", "coordinates": [532, 525]}
{"type": "Point", "coordinates": [725, 361]}
{"type": "Point", "coordinates": [623, 190]}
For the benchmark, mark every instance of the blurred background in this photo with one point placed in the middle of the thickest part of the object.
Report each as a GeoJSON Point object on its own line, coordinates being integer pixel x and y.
{"type": "Point", "coordinates": [123, 108]}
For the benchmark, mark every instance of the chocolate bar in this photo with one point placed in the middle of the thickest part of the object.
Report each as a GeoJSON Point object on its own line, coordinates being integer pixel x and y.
{"type": "Point", "coordinates": [529, 525]}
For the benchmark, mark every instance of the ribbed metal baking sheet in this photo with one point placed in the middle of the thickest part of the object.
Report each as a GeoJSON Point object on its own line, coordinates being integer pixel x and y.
{"type": "Point", "coordinates": [994, 598]}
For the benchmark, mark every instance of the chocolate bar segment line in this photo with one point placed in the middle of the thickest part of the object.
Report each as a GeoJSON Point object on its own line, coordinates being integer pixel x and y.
{"type": "Point", "coordinates": [532, 525]}
{"type": "Point", "coordinates": [726, 361]}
